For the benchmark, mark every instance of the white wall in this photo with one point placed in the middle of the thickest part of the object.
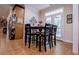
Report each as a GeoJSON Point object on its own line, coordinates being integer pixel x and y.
{"type": "Point", "coordinates": [78, 28]}
{"type": "Point", "coordinates": [29, 13]}
{"type": "Point", "coordinates": [67, 28]}
{"type": "Point", "coordinates": [75, 28]}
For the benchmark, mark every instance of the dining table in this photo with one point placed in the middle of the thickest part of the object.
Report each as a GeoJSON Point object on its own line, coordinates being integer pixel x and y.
{"type": "Point", "coordinates": [39, 31]}
{"type": "Point", "coordinates": [40, 28]}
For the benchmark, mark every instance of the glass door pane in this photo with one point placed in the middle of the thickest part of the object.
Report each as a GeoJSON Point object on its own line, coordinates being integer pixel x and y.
{"type": "Point", "coordinates": [57, 21]}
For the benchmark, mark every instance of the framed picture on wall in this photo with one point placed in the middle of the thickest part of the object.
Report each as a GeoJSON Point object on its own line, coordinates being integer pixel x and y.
{"type": "Point", "coordinates": [69, 18]}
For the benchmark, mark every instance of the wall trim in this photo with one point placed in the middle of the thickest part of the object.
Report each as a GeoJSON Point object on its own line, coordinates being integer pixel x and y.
{"type": "Point", "coordinates": [68, 41]}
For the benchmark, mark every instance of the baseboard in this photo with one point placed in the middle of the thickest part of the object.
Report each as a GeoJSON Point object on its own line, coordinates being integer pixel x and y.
{"type": "Point", "coordinates": [75, 52]}
{"type": "Point", "coordinates": [65, 41]}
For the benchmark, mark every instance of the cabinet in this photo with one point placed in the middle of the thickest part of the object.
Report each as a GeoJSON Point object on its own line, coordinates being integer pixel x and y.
{"type": "Point", "coordinates": [19, 11]}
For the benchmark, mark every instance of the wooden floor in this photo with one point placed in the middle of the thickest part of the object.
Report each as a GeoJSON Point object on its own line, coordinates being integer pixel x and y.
{"type": "Point", "coordinates": [17, 47]}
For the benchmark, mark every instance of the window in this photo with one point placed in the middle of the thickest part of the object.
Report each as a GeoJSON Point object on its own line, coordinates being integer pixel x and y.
{"type": "Point", "coordinates": [54, 12]}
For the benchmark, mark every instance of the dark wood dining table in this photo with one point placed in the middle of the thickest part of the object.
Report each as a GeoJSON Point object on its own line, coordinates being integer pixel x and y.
{"type": "Point", "coordinates": [39, 32]}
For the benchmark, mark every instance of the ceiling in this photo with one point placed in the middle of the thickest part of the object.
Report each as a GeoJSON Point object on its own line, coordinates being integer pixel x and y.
{"type": "Point", "coordinates": [5, 8]}
{"type": "Point", "coordinates": [38, 6]}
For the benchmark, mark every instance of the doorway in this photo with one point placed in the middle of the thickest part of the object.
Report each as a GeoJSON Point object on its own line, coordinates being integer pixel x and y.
{"type": "Point", "coordinates": [55, 18]}
{"type": "Point", "coordinates": [57, 21]}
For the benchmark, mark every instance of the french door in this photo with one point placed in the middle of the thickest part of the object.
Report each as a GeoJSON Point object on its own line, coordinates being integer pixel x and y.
{"type": "Point", "coordinates": [57, 21]}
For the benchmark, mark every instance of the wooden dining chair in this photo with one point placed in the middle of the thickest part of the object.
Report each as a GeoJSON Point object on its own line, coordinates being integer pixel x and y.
{"type": "Point", "coordinates": [27, 34]}
{"type": "Point", "coordinates": [30, 35]}
{"type": "Point", "coordinates": [46, 36]}
{"type": "Point", "coordinates": [53, 34]}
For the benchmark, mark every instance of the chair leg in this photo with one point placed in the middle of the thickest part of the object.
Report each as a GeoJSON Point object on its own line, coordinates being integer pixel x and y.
{"type": "Point", "coordinates": [49, 42]}
{"type": "Point", "coordinates": [25, 40]}
{"type": "Point", "coordinates": [36, 41]}
{"type": "Point", "coordinates": [45, 44]}
{"type": "Point", "coordinates": [54, 39]}
{"type": "Point", "coordinates": [29, 41]}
